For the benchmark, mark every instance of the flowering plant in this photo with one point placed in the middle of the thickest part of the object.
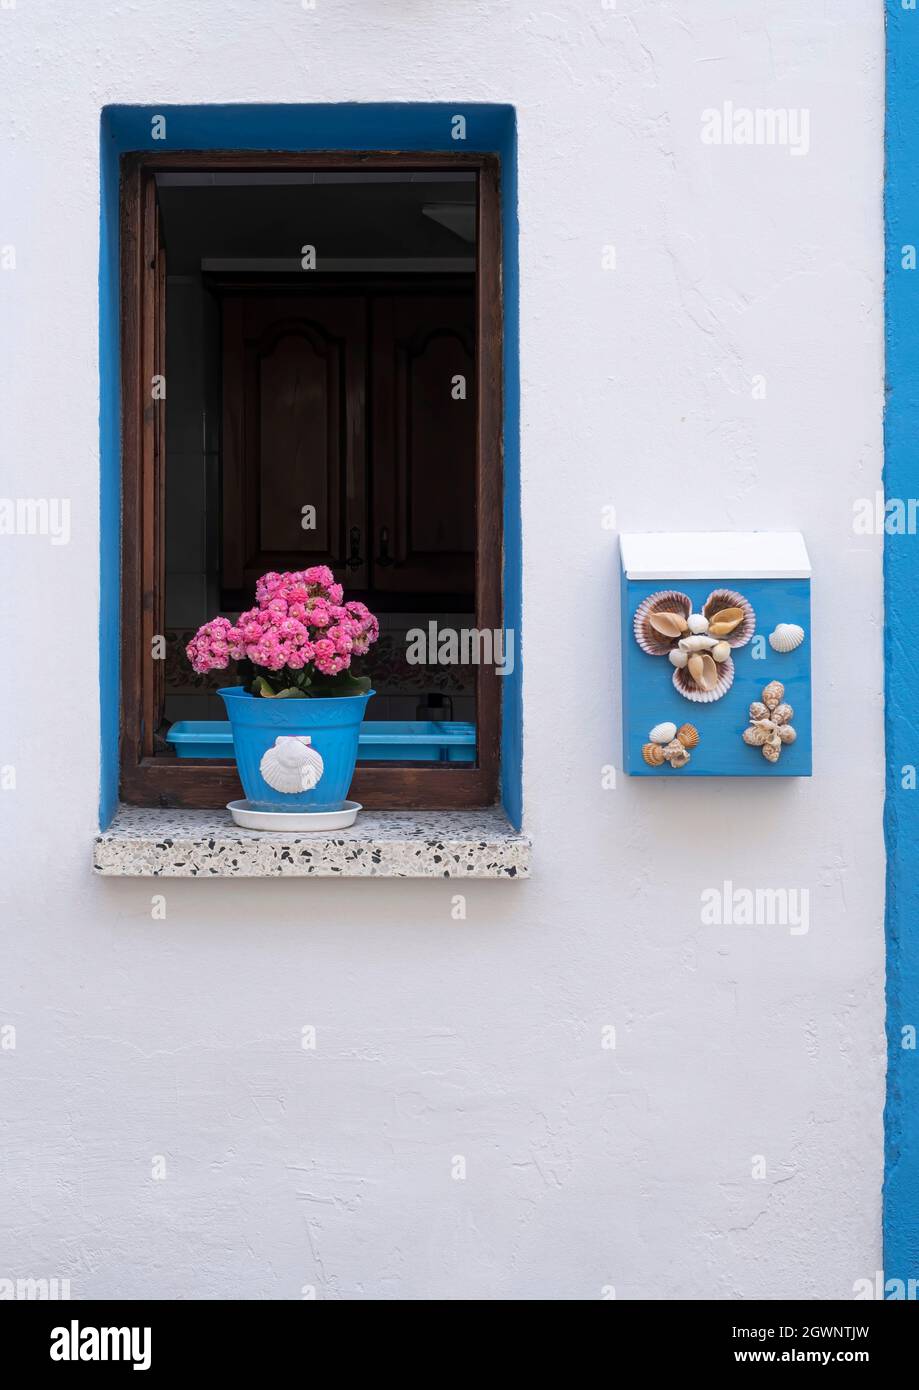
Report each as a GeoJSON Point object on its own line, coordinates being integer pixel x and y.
{"type": "Point", "coordinates": [300, 637]}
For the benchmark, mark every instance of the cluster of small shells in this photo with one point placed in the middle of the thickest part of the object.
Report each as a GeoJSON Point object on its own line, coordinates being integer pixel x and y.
{"type": "Point", "coordinates": [697, 645]}
{"type": "Point", "coordinates": [669, 744]}
{"type": "Point", "coordinates": [770, 723]}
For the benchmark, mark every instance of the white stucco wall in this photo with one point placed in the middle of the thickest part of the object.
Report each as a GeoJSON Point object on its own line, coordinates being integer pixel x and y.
{"type": "Point", "coordinates": [586, 1167]}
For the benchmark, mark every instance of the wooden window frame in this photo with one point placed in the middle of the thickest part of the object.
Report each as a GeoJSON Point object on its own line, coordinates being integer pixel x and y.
{"type": "Point", "coordinates": [160, 781]}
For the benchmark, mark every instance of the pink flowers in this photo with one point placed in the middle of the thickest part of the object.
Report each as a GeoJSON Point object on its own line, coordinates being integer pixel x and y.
{"type": "Point", "coordinates": [300, 627]}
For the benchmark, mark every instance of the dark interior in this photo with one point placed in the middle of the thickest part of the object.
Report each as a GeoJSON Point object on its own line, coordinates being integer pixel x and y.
{"type": "Point", "coordinates": [322, 415]}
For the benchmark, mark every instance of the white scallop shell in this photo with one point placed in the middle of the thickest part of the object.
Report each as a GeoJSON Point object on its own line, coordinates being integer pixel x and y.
{"type": "Point", "coordinates": [785, 637]}
{"type": "Point", "coordinates": [291, 765]}
{"type": "Point", "coordinates": [663, 733]}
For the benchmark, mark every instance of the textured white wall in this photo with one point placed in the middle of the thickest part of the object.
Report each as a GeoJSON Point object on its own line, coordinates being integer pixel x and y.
{"type": "Point", "coordinates": [586, 1167]}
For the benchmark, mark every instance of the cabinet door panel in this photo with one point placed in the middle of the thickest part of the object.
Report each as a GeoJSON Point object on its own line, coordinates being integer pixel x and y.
{"type": "Point", "coordinates": [294, 435]}
{"type": "Point", "coordinates": [423, 372]}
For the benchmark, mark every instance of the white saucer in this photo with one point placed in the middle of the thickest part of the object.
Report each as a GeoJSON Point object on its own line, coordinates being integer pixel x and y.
{"type": "Point", "coordinates": [245, 814]}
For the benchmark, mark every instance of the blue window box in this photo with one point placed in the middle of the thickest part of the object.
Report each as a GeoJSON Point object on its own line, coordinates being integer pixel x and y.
{"type": "Point", "coordinates": [381, 740]}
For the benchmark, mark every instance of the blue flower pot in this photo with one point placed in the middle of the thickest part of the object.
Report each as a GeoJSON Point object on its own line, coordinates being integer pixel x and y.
{"type": "Point", "coordinates": [331, 726]}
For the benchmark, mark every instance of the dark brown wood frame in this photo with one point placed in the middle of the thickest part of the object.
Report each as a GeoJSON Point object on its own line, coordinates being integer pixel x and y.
{"type": "Point", "coordinates": [161, 781]}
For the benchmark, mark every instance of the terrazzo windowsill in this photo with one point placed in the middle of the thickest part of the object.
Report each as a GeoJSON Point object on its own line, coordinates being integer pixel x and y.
{"type": "Point", "coordinates": [155, 843]}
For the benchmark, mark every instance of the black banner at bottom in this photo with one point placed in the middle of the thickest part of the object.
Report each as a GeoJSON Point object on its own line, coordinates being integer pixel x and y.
{"type": "Point", "coordinates": [236, 1338]}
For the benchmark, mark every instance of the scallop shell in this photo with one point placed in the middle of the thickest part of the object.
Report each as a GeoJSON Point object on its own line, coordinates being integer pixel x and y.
{"type": "Point", "coordinates": [663, 733]}
{"type": "Point", "coordinates": [291, 765]}
{"type": "Point", "coordinates": [688, 735]}
{"type": "Point", "coordinates": [664, 601]}
{"type": "Point", "coordinates": [687, 687]}
{"type": "Point", "coordinates": [653, 754]}
{"type": "Point", "coordinates": [743, 629]}
{"type": "Point", "coordinates": [785, 637]}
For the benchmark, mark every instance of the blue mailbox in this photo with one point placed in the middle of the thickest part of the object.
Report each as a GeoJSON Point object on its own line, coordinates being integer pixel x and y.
{"type": "Point", "coordinates": [716, 644]}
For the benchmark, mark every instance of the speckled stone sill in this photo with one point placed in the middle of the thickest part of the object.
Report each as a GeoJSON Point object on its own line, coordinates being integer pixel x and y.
{"type": "Point", "coordinates": [143, 843]}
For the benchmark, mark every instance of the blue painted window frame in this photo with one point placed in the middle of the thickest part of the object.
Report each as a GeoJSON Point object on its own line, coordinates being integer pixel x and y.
{"type": "Point", "coordinates": [489, 128]}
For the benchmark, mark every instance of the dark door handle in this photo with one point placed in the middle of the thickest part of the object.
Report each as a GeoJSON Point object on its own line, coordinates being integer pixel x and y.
{"type": "Point", "coordinates": [354, 559]}
{"type": "Point", "coordinates": [384, 558]}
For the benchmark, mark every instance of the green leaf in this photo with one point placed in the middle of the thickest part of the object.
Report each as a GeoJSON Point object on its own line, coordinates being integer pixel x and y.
{"type": "Point", "coordinates": [261, 687]}
{"type": "Point", "coordinates": [292, 693]}
{"type": "Point", "coordinates": [342, 684]}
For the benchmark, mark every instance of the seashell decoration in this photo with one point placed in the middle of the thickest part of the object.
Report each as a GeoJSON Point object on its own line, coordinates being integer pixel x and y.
{"type": "Point", "coordinates": [770, 723]}
{"type": "Point", "coordinates": [730, 616]}
{"type": "Point", "coordinates": [697, 645]}
{"type": "Point", "coordinates": [662, 733]}
{"type": "Point", "coordinates": [677, 756]}
{"type": "Point", "coordinates": [291, 765]}
{"type": "Point", "coordinates": [717, 678]}
{"type": "Point", "coordinates": [785, 637]}
{"type": "Point", "coordinates": [772, 694]}
{"type": "Point", "coordinates": [647, 634]}
{"type": "Point", "coordinates": [675, 750]}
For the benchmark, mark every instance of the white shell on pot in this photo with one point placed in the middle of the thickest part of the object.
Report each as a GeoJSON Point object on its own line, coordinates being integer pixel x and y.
{"type": "Point", "coordinates": [291, 765]}
{"type": "Point", "coordinates": [663, 733]}
{"type": "Point", "coordinates": [785, 637]}
{"type": "Point", "coordinates": [687, 687]}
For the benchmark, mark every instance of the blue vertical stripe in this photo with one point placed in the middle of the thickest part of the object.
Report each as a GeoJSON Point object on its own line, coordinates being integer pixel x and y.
{"type": "Point", "coordinates": [901, 591]}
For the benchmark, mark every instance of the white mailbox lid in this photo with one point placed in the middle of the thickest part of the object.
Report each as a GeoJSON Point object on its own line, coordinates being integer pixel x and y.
{"type": "Point", "coordinates": [714, 555]}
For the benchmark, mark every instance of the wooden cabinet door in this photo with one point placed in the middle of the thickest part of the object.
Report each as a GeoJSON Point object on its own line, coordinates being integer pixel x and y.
{"type": "Point", "coordinates": [423, 443]}
{"type": "Point", "coordinates": [294, 436]}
